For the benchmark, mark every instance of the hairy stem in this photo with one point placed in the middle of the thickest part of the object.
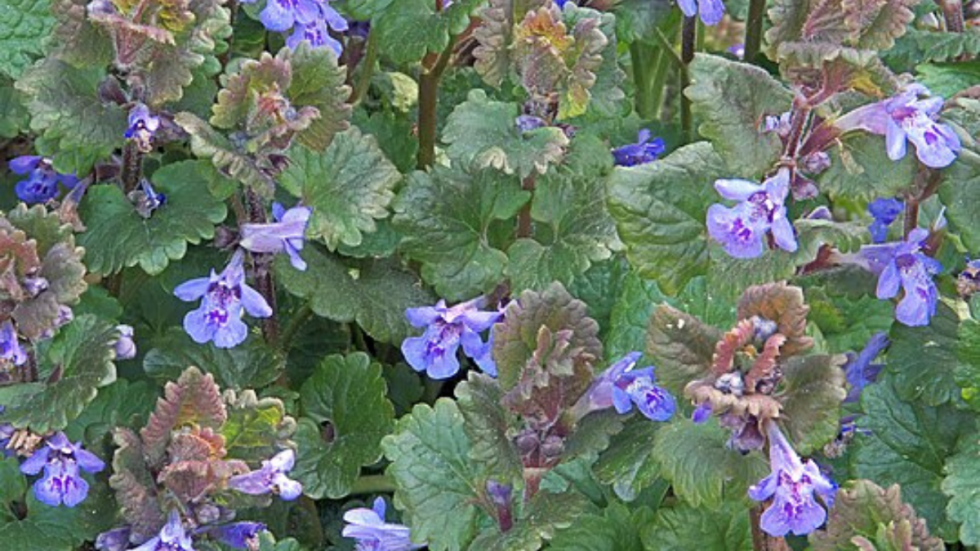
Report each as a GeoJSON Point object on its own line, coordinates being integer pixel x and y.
{"type": "Point", "coordinates": [428, 99]}
{"type": "Point", "coordinates": [373, 484]}
{"type": "Point", "coordinates": [760, 540]}
{"type": "Point", "coordinates": [132, 166]}
{"type": "Point", "coordinates": [367, 70]}
{"type": "Point", "coordinates": [525, 227]}
{"type": "Point", "coordinates": [953, 14]}
{"type": "Point", "coordinates": [264, 282]}
{"type": "Point", "coordinates": [688, 41]}
{"type": "Point", "coordinates": [753, 29]}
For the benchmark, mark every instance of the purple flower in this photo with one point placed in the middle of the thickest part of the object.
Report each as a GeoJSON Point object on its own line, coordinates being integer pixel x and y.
{"type": "Point", "coordinates": [219, 318]}
{"type": "Point", "coordinates": [116, 539]}
{"type": "Point", "coordinates": [446, 328]}
{"type": "Point", "coordinates": [711, 10]}
{"type": "Point", "coordinates": [742, 228]}
{"type": "Point", "coordinates": [737, 50]}
{"type": "Point", "coordinates": [907, 118]}
{"type": "Point", "coordinates": [792, 486]}
{"type": "Point", "coordinates": [859, 369]}
{"type": "Point", "coordinates": [239, 535]}
{"type": "Point", "coordinates": [285, 235]}
{"type": "Point", "coordinates": [62, 482]}
{"type": "Point", "coordinates": [701, 413]}
{"type": "Point", "coordinates": [142, 127]}
{"type": "Point", "coordinates": [146, 199]}
{"type": "Point", "coordinates": [172, 537]}
{"type": "Point", "coordinates": [372, 533]}
{"type": "Point", "coordinates": [315, 32]}
{"type": "Point", "coordinates": [903, 265]}
{"type": "Point", "coordinates": [884, 212]}
{"type": "Point", "coordinates": [282, 15]}
{"type": "Point", "coordinates": [10, 349]}
{"type": "Point", "coordinates": [527, 123]}
{"type": "Point", "coordinates": [125, 347]}
{"type": "Point", "coordinates": [622, 387]}
{"type": "Point", "coordinates": [270, 478]}
{"type": "Point", "coordinates": [643, 151]}
{"type": "Point", "coordinates": [42, 180]}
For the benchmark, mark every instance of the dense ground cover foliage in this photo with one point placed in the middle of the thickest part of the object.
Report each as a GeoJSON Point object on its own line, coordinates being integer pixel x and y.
{"type": "Point", "coordinates": [489, 275]}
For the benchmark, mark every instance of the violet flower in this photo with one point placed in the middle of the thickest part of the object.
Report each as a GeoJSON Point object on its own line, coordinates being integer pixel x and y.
{"type": "Point", "coordinates": [116, 539]}
{"type": "Point", "coordinates": [372, 533]}
{"type": "Point", "coordinates": [446, 328]}
{"type": "Point", "coordinates": [643, 151]}
{"type": "Point", "coordinates": [907, 118]}
{"type": "Point", "coordinates": [239, 535]}
{"type": "Point", "coordinates": [903, 265]}
{"type": "Point", "coordinates": [792, 486]}
{"type": "Point", "coordinates": [711, 11]}
{"type": "Point", "coordinates": [125, 347]}
{"type": "Point", "coordinates": [742, 229]}
{"type": "Point", "coordinates": [172, 537]}
{"type": "Point", "coordinates": [10, 349]}
{"type": "Point", "coordinates": [142, 127]}
{"type": "Point", "coordinates": [527, 123]}
{"type": "Point", "coordinates": [61, 460]}
{"type": "Point", "coordinates": [271, 478]}
{"type": "Point", "coordinates": [146, 199]}
{"type": "Point", "coordinates": [286, 234]}
{"type": "Point", "coordinates": [224, 297]}
{"type": "Point", "coordinates": [621, 386]}
{"type": "Point", "coordinates": [42, 180]}
{"type": "Point", "coordinates": [315, 32]}
{"type": "Point", "coordinates": [884, 212]}
{"type": "Point", "coordinates": [859, 370]}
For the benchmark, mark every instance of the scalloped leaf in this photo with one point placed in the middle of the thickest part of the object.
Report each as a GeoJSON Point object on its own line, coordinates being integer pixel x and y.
{"type": "Point", "coordinates": [346, 414]}
{"type": "Point", "coordinates": [959, 193]}
{"type": "Point", "coordinates": [256, 428]}
{"type": "Point", "coordinates": [495, 34]}
{"type": "Point", "coordinates": [681, 346]}
{"type": "Point", "coordinates": [372, 292]}
{"type": "Point", "coordinates": [860, 169]}
{"type": "Point", "coordinates": [319, 81]}
{"type": "Point", "coordinates": [24, 24]}
{"type": "Point", "coordinates": [962, 485]}
{"type": "Point", "coordinates": [135, 485]}
{"type": "Point", "coordinates": [660, 210]}
{"type": "Point", "coordinates": [628, 464]}
{"type": "Point", "coordinates": [923, 360]}
{"type": "Point", "coordinates": [811, 392]}
{"type": "Point", "coordinates": [76, 39]}
{"type": "Point", "coordinates": [349, 187]}
{"type": "Point", "coordinates": [78, 129]}
{"type": "Point", "coordinates": [83, 353]}
{"type": "Point", "coordinates": [543, 517]}
{"type": "Point", "coordinates": [552, 311]}
{"type": "Point", "coordinates": [703, 471]}
{"type": "Point", "coordinates": [407, 34]}
{"type": "Point", "coordinates": [446, 217]}
{"type": "Point", "coordinates": [40, 527]}
{"type": "Point", "coordinates": [483, 133]}
{"type": "Point", "coordinates": [118, 237]}
{"type": "Point", "coordinates": [862, 508]}
{"type": "Point", "coordinates": [674, 528]}
{"type": "Point", "coordinates": [486, 424]}
{"type": "Point", "coordinates": [730, 99]}
{"type": "Point", "coordinates": [208, 143]}
{"type": "Point", "coordinates": [437, 482]}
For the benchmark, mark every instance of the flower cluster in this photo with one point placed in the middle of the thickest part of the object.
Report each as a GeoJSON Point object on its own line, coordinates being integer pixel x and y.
{"type": "Point", "coordinates": [62, 463]}
{"type": "Point", "coordinates": [621, 386]}
{"type": "Point", "coordinates": [742, 229]}
{"type": "Point", "coordinates": [41, 184]}
{"type": "Point", "coordinates": [446, 328]}
{"type": "Point", "coordinates": [308, 19]}
{"type": "Point", "coordinates": [372, 533]}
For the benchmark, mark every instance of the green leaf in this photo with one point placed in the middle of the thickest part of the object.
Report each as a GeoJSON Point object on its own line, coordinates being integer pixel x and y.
{"type": "Point", "coordinates": [948, 79]}
{"type": "Point", "coordinates": [486, 424]}
{"type": "Point", "coordinates": [208, 143]}
{"type": "Point", "coordinates": [959, 193]}
{"type": "Point", "coordinates": [863, 509]}
{"type": "Point", "coordinates": [446, 217]}
{"type": "Point", "coordinates": [674, 529]}
{"type": "Point", "coordinates": [730, 99]}
{"type": "Point", "coordinates": [703, 470]}
{"type": "Point", "coordinates": [406, 34]}
{"type": "Point", "coordinates": [78, 129]}
{"type": "Point", "coordinates": [348, 186]}
{"type": "Point", "coordinates": [860, 169]}
{"type": "Point", "coordinates": [628, 463]}
{"type": "Point", "coordinates": [681, 346]}
{"type": "Point", "coordinates": [118, 237]}
{"type": "Point", "coordinates": [346, 415]}
{"type": "Point", "coordinates": [437, 482]}
{"type": "Point", "coordinates": [921, 46]}
{"type": "Point", "coordinates": [483, 133]}
{"type": "Point", "coordinates": [24, 24]}
{"type": "Point", "coordinates": [909, 444]}
{"type": "Point", "coordinates": [252, 364]}
{"type": "Point", "coordinates": [600, 287]}
{"type": "Point", "coordinates": [46, 528]}
{"type": "Point", "coordinates": [256, 429]}
{"type": "Point", "coordinates": [616, 529]}
{"type": "Point", "coordinates": [374, 293]}
{"type": "Point", "coordinates": [812, 391]}
{"type": "Point", "coordinates": [121, 404]}
{"type": "Point", "coordinates": [922, 360]}
{"type": "Point", "coordinates": [319, 81]}
{"type": "Point", "coordinates": [546, 513]}
{"type": "Point", "coordinates": [660, 211]}
{"type": "Point", "coordinates": [83, 352]}
{"type": "Point", "coordinates": [962, 485]}
{"type": "Point", "coordinates": [967, 372]}
{"type": "Point", "coordinates": [847, 320]}
{"type": "Point", "coordinates": [14, 118]}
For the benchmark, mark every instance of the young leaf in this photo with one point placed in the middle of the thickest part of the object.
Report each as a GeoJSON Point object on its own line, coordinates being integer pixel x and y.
{"type": "Point", "coordinates": [681, 346]}
{"type": "Point", "coordinates": [346, 414]}
{"type": "Point", "coordinates": [349, 186]}
{"type": "Point", "coordinates": [374, 293]}
{"type": "Point", "coordinates": [546, 514]}
{"type": "Point", "coordinates": [438, 484]}
{"type": "Point", "coordinates": [811, 397]}
{"type": "Point", "coordinates": [318, 81]}
{"type": "Point", "coordinates": [446, 217]}
{"type": "Point", "coordinates": [256, 429]}
{"type": "Point", "coordinates": [731, 99]}
{"type": "Point", "coordinates": [416, 28]}
{"type": "Point", "coordinates": [118, 237]}
{"type": "Point", "coordinates": [660, 211]}
{"type": "Point", "coordinates": [487, 424]}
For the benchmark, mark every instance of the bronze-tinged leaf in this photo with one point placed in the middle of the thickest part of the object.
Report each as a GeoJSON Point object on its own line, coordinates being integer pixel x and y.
{"type": "Point", "coordinates": [240, 99]}
{"type": "Point", "coordinates": [730, 344]}
{"type": "Point", "coordinates": [135, 486]}
{"type": "Point", "coordinates": [193, 401]}
{"type": "Point", "coordinates": [783, 304]}
{"type": "Point", "coordinates": [760, 406]}
{"type": "Point", "coordinates": [681, 347]}
{"type": "Point", "coordinates": [764, 366]}
{"type": "Point", "coordinates": [495, 35]}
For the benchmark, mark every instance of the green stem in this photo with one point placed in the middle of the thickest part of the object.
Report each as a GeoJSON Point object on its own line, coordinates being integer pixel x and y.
{"type": "Point", "coordinates": [688, 41]}
{"type": "Point", "coordinates": [367, 70]}
{"type": "Point", "coordinates": [641, 58]}
{"type": "Point", "coordinates": [373, 484]}
{"type": "Point", "coordinates": [753, 29]}
{"type": "Point", "coordinates": [525, 226]}
{"type": "Point", "coordinates": [296, 323]}
{"type": "Point", "coordinates": [428, 99]}
{"type": "Point", "coordinates": [658, 83]}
